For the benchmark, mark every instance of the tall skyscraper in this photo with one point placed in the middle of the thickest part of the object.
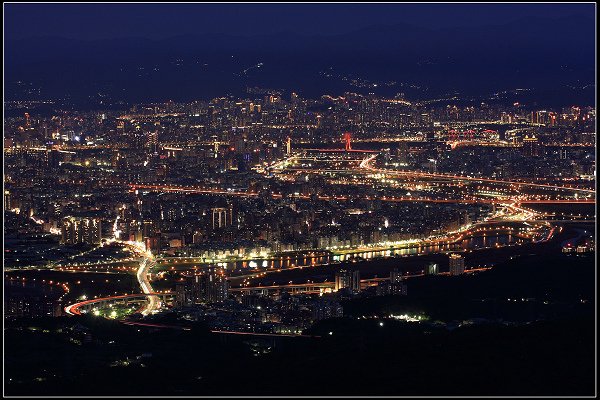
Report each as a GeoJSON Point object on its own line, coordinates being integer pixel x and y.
{"type": "Point", "coordinates": [325, 308]}
{"type": "Point", "coordinates": [7, 200]}
{"type": "Point", "coordinates": [403, 152]}
{"type": "Point", "coordinates": [91, 230]}
{"type": "Point", "coordinates": [81, 230]}
{"type": "Point", "coordinates": [182, 294]}
{"type": "Point", "coordinates": [152, 143]}
{"type": "Point", "coordinates": [211, 286]}
{"type": "Point", "coordinates": [222, 217]}
{"type": "Point", "coordinates": [457, 264]}
{"type": "Point", "coordinates": [531, 146]}
{"type": "Point", "coordinates": [395, 286]}
{"type": "Point", "coordinates": [562, 153]}
{"type": "Point", "coordinates": [70, 231]}
{"type": "Point", "coordinates": [347, 279]}
{"type": "Point", "coordinates": [431, 269]}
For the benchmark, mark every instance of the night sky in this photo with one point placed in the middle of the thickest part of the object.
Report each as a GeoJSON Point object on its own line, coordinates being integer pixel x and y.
{"type": "Point", "coordinates": [428, 50]}
{"type": "Point", "coordinates": [95, 21]}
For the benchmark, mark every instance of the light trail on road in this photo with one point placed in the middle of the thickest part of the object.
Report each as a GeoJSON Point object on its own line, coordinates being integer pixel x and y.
{"type": "Point", "coordinates": [75, 309]}
{"type": "Point", "coordinates": [367, 166]}
{"type": "Point", "coordinates": [154, 302]}
{"type": "Point", "coordinates": [392, 199]}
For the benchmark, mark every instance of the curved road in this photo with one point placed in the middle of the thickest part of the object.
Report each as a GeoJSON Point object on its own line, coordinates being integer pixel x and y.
{"type": "Point", "coordinates": [154, 302]}
{"type": "Point", "coordinates": [75, 309]}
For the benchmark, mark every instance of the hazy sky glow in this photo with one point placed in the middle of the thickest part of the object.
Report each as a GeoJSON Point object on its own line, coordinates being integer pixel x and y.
{"type": "Point", "coordinates": [93, 21]}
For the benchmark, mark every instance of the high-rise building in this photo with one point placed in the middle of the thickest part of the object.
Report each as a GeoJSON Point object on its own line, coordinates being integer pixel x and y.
{"type": "Point", "coordinates": [31, 305]}
{"type": "Point", "coordinates": [395, 286]}
{"type": "Point", "coordinates": [7, 202]}
{"type": "Point", "coordinates": [152, 244]}
{"type": "Point", "coordinates": [152, 143]}
{"type": "Point", "coordinates": [55, 158]}
{"type": "Point", "coordinates": [388, 288]}
{"type": "Point", "coordinates": [182, 294]}
{"type": "Point", "coordinates": [326, 308]}
{"type": "Point", "coordinates": [431, 269]}
{"type": "Point", "coordinates": [457, 264]}
{"type": "Point", "coordinates": [239, 145]}
{"type": "Point", "coordinates": [148, 229]}
{"type": "Point", "coordinates": [562, 153]}
{"type": "Point", "coordinates": [81, 230]}
{"type": "Point", "coordinates": [347, 279]}
{"type": "Point", "coordinates": [91, 230]}
{"type": "Point", "coordinates": [539, 117]}
{"type": "Point", "coordinates": [121, 127]}
{"type": "Point", "coordinates": [396, 276]}
{"type": "Point", "coordinates": [211, 286]}
{"type": "Point", "coordinates": [222, 217]}
{"type": "Point", "coordinates": [531, 146]}
{"type": "Point", "coordinates": [403, 152]}
{"type": "Point", "coordinates": [70, 231]}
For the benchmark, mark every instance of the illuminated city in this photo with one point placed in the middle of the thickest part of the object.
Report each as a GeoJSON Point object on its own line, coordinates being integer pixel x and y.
{"type": "Point", "coordinates": [191, 211]}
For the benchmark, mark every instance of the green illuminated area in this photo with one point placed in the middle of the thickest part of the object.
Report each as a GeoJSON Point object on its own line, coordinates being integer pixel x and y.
{"type": "Point", "coordinates": [115, 311]}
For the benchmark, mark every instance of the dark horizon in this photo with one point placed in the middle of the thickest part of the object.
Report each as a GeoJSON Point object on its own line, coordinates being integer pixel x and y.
{"type": "Point", "coordinates": [154, 53]}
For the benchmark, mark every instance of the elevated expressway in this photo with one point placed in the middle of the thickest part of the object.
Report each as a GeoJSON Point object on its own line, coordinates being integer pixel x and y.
{"type": "Point", "coordinates": [150, 300]}
{"type": "Point", "coordinates": [366, 167]}
{"type": "Point", "coordinates": [87, 306]}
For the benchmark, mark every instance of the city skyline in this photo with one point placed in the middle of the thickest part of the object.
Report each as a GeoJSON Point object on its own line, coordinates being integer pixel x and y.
{"type": "Point", "coordinates": [396, 197]}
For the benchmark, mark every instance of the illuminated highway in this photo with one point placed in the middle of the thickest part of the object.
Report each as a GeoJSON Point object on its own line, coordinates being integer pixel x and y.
{"type": "Point", "coordinates": [511, 210]}
{"type": "Point", "coordinates": [147, 262]}
{"type": "Point", "coordinates": [83, 306]}
{"type": "Point", "coordinates": [367, 165]}
{"type": "Point", "coordinates": [364, 166]}
{"type": "Point", "coordinates": [154, 303]}
{"type": "Point", "coordinates": [327, 287]}
{"type": "Point", "coordinates": [195, 190]}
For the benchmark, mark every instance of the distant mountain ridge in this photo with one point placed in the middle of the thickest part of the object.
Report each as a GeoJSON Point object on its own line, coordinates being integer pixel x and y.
{"type": "Point", "coordinates": [530, 52]}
